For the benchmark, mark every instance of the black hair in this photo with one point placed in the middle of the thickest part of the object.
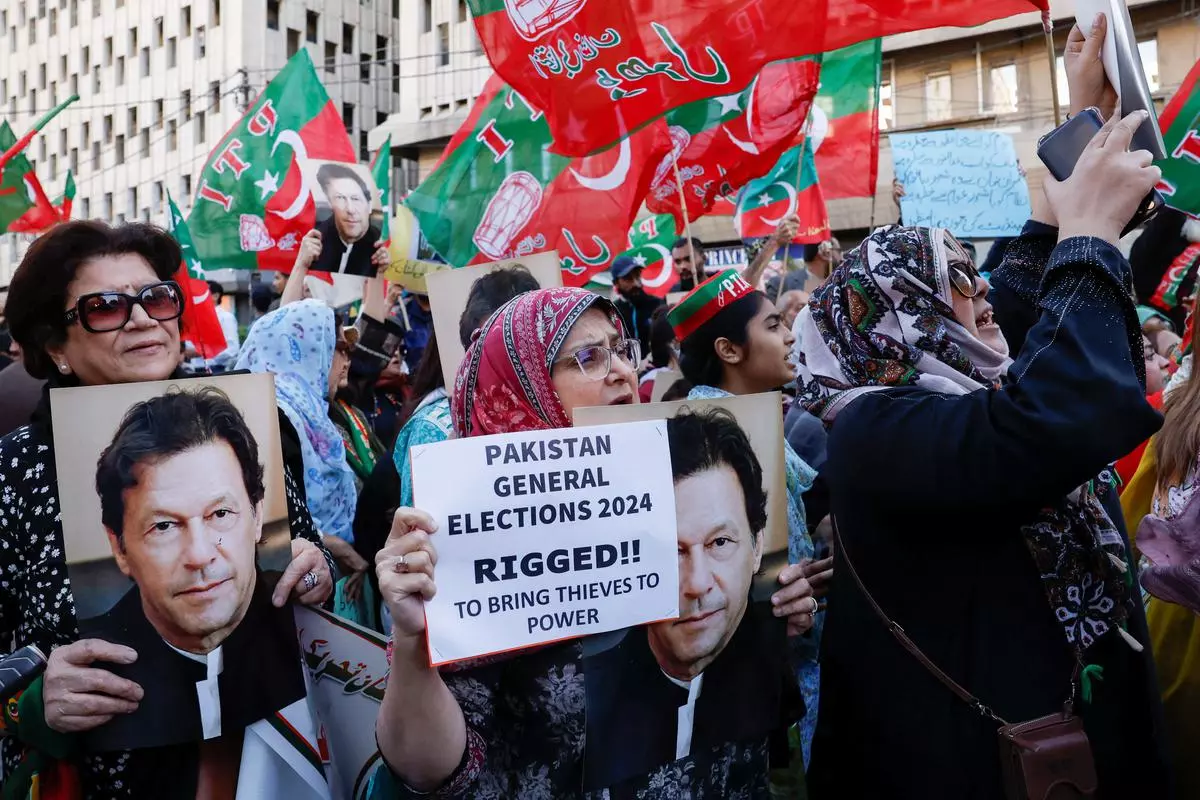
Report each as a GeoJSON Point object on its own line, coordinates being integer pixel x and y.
{"type": "Point", "coordinates": [261, 297]}
{"type": "Point", "coordinates": [426, 379]}
{"type": "Point", "coordinates": [704, 440]}
{"type": "Point", "coordinates": [683, 240]}
{"type": "Point", "coordinates": [166, 426]}
{"type": "Point", "coordinates": [489, 293]}
{"type": "Point", "coordinates": [37, 296]}
{"type": "Point", "coordinates": [679, 390]}
{"type": "Point", "coordinates": [332, 172]}
{"type": "Point", "coordinates": [661, 337]}
{"type": "Point", "coordinates": [216, 289]}
{"type": "Point", "coordinates": [698, 357]}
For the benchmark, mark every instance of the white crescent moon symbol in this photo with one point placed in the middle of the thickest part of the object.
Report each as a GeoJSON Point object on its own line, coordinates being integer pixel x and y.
{"type": "Point", "coordinates": [818, 127]}
{"type": "Point", "coordinates": [748, 147]}
{"type": "Point", "coordinates": [293, 140]}
{"type": "Point", "coordinates": [666, 273]}
{"type": "Point", "coordinates": [615, 178]}
{"type": "Point", "coordinates": [200, 299]}
{"type": "Point", "coordinates": [792, 203]}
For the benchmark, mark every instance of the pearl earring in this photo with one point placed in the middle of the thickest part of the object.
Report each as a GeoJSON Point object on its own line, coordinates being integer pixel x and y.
{"type": "Point", "coordinates": [64, 369]}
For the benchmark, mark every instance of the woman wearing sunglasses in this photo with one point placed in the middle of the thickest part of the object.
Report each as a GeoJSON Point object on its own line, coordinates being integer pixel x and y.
{"type": "Point", "coordinates": [973, 497]}
{"type": "Point", "coordinates": [93, 305]}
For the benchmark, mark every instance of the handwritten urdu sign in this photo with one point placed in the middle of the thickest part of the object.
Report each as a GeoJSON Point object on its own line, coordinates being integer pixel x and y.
{"type": "Point", "coordinates": [963, 180]}
{"type": "Point", "coordinates": [548, 535]}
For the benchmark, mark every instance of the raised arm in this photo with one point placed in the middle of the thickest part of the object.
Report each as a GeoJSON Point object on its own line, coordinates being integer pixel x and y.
{"type": "Point", "coordinates": [310, 251]}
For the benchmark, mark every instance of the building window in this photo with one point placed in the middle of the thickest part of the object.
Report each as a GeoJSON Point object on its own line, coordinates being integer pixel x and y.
{"type": "Point", "coordinates": [131, 120]}
{"type": "Point", "coordinates": [144, 142]}
{"type": "Point", "coordinates": [186, 108]}
{"type": "Point", "coordinates": [62, 67]}
{"type": "Point", "coordinates": [144, 62]}
{"type": "Point", "coordinates": [86, 208]}
{"type": "Point", "coordinates": [95, 155]}
{"type": "Point", "coordinates": [347, 38]}
{"type": "Point", "coordinates": [364, 67]}
{"type": "Point", "coordinates": [172, 135]}
{"type": "Point", "coordinates": [1148, 50]}
{"type": "Point", "coordinates": [201, 42]}
{"type": "Point", "coordinates": [53, 158]}
{"type": "Point", "coordinates": [158, 31]}
{"type": "Point", "coordinates": [330, 56]}
{"type": "Point", "coordinates": [214, 13]}
{"type": "Point", "coordinates": [96, 80]}
{"type": "Point", "coordinates": [131, 201]}
{"type": "Point", "coordinates": [73, 160]}
{"type": "Point", "coordinates": [200, 120]}
{"type": "Point", "coordinates": [53, 23]}
{"type": "Point", "coordinates": [172, 52]}
{"type": "Point", "coordinates": [108, 128]}
{"type": "Point", "coordinates": [381, 48]}
{"type": "Point", "coordinates": [158, 113]}
{"type": "Point", "coordinates": [937, 97]}
{"type": "Point", "coordinates": [293, 42]}
{"type": "Point", "coordinates": [311, 18]}
{"type": "Point", "coordinates": [463, 14]}
{"type": "Point", "coordinates": [119, 150]}
{"type": "Point", "coordinates": [107, 207]}
{"type": "Point", "coordinates": [185, 187]}
{"type": "Point", "coordinates": [133, 40]}
{"type": "Point", "coordinates": [73, 84]}
{"type": "Point", "coordinates": [41, 76]}
{"type": "Point", "coordinates": [185, 22]}
{"type": "Point", "coordinates": [348, 115]}
{"type": "Point", "coordinates": [74, 13]}
{"type": "Point", "coordinates": [85, 59]}
{"type": "Point", "coordinates": [426, 16]}
{"type": "Point", "coordinates": [887, 108]}
{"type": "Point", "coordinates": [156, 194]}
{"type": "Point", "coordinates": [214, 95]}
{"type": "Point", "coordinates": [273, 14]}
{"type": "Point", "coordinates": [1004, 98]}
{"type": "Point", "coordinates": [443, 45]}
{"type": "Point", "coordinates": [108, 51]}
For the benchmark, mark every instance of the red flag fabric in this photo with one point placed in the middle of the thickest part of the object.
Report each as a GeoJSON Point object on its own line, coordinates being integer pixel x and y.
{"type": "Point", "coordinates": [200, 325]}
{"type": "Point", "coordinates": [722, 143]}
{"type": "Point", "coordinates": [845, 127]}
{"type": "Point", "coordinates": [601, 69]}
{"type": "Point", "coordinates": [41, 215]}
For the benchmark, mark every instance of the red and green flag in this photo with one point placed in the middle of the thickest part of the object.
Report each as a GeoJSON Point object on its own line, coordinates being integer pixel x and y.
{"type": "Point", "coordinates": [254, 200]}
{"type": "Point", "coordinates": [200, 324]}
{"type": "Point", "coordinates": [790, 188]}
{"type": "Point", "coordinates": [650, 242]}
{"type": "Point", "coordinates": [381, 173]}
{"type": "Point", "coordinates": [1180, 123]}
{"type": "Point", "coordinates": [721, 143]}
{"type": "Point", "coordinates": [68, 197]}
{"type": "Point", "coordinates": [601, 69]}
{"type": "Point", "coordinates": [845, 127]}
{"type": "Point", "coordinates": [24, 207]}
{"type": "Point", "coordinates": [499, 192]}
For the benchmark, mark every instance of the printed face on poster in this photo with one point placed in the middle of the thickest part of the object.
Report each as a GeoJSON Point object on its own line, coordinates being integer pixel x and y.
{"type": "Point", "coordinates": [175, 524]}
{"type": "Point", "coordinates": [547, 535]}
{"type": "Point", "coordinates": [723, 661]}
{"type": "Point", "coordinates": [348, 215]}
{"type": "Point", "coordinates": [449, 290]}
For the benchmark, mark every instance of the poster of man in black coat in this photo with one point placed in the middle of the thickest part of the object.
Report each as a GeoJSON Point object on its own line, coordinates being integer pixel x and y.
{"type": "Point", "coordinates": [348, 219]}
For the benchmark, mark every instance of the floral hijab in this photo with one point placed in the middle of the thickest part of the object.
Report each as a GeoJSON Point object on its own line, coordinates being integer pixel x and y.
{"type": "Point", "coordinates": [295, 343]}
{"type": "Point", "coordinates": [503, 384]}
{"type": "Point", "coordinates": [884, 319]}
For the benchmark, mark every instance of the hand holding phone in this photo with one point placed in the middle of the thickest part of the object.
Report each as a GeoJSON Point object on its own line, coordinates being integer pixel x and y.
{"type": "Point", "coordinates": [1099, 188]}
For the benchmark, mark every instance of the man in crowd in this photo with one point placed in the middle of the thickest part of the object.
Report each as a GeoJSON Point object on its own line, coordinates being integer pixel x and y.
{"type": "Point", "coordinates": [348, 238]}
{"type": "Point", "coordinates": [718, 674]}
{"type": "Point", "coordinates": [688, 257]}
{"type": "Point", "coordinates": [181, 497]}
{"type": "Point", "coordinates": [634, 303]}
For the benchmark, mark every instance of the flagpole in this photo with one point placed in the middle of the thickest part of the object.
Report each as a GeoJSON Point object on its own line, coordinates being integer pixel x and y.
{"type": "Point", "coordinates": [1048, 29]}
{"type": "Point", "coordinates": [687, 223]}
{"type": "Point", "coordinates": [24, 141]}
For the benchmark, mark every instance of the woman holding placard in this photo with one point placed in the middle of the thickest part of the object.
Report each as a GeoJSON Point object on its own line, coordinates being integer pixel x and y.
{"type": "Point", "coordinates": [93, 305]}
{"type": "Point", "coordinates": [508, 727]}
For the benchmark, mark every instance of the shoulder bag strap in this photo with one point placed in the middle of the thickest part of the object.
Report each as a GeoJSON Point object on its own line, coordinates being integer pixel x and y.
{"type": "Point", "coordinates": [907, 643]}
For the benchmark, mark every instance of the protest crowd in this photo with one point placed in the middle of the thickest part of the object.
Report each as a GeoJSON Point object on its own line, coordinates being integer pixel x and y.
{"type": "Point", "coordinates": [964, 564]}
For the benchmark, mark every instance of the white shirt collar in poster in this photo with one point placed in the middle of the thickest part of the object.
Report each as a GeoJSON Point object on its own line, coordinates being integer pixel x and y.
{"type": "Point", "coordinates": [208, 691]}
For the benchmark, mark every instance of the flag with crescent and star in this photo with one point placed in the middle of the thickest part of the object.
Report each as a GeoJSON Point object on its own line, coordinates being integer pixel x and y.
{"type": "Point", "coordinates": [721, 143]}
{"type": "Point", "coordinates": [381, 172]}
{"type": "Point", "coordinates": [790, 188]}
{"type": "Point", "coordinates": [1180, 123]}
{"type": "Point", "coordinates": [200, 324]}
{"type": "Point", "coordinates": [499, 193]}
{"type": "Point", "coordinates": [845, 121]}
{"type": "Point", "coordinates": [600, 69]}
{"type": "Point", "coordinates": [650, 242]}
{"type": "Point", "coordinates": [24, 207]}
{"type": "Point", "coordinates": [254, 199]}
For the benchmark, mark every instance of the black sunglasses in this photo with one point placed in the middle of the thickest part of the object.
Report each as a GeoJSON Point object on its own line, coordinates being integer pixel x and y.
{"type": "Point", "coordinates": [964, 278]}
{"type": "Point", "coordinates": [101, 312]}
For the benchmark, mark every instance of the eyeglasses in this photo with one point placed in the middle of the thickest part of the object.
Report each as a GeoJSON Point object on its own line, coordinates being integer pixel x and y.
{"type": "Point", "coordinates": [101, 312]}
{"type": "Point", "coordinates": [964, 278]}
{"type": "Point", "coordinates": [595, 362]}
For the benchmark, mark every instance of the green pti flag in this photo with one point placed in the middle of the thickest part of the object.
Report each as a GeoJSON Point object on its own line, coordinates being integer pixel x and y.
{"type": "Point", "coordinates": [499, 192]}
{"type": "Point", "coordinates": [381, 173]}
{"type": "Point", "coordinates": [68, 197]}
{"type": "Point", "coordinates": [200, 323]}
{"type": "Point", "coordinates": [650, 242]}
{"type": "Point", "coordinates": [1180, 123]}
{"type": "Point", "coordinates": [845, 122]}
{"type": "Point", "coordinates": [255, 201]}
{"type": "Point", "coordinates": [790, 188]}
{"type": "Point", "coordinates": [24, 207]}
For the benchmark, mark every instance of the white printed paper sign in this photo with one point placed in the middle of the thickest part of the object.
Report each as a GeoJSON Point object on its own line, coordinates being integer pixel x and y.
{"type": "Point", "coordinates": [547, 535]}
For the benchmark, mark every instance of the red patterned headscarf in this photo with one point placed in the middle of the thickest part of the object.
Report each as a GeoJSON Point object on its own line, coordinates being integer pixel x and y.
{"type": "Point", "coordinates": [503, 384]}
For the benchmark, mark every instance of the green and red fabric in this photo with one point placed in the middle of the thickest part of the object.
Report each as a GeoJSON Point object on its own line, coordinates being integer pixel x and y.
{"type": "Point", "coordinates": [790, 188]}
{"type": "Point", "coordinates": [498, 191]}
{"type": "Point", "coordinates": [1180, 123]}
{"type": "Point", "coordinates": [650, 243]}
{"type": "Point", "coordinates": [200, 324]}
{"type": "Point", "coordinates": [722, 143]}
{"type": "Point", "coordinates": [24, 207]}
{"type": "Point", "coordinates": [706, 301]}
{"type": "Point", "coordinates": [254, 200]}
{"type": "Point", "coordinates": [381, 172]}
{"type": "Point", "coordinates": [67, 200]}
{"type": "Point", "coordinates": [601, 69]}
{"type": "Point", "coordinates": [845, 129]}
